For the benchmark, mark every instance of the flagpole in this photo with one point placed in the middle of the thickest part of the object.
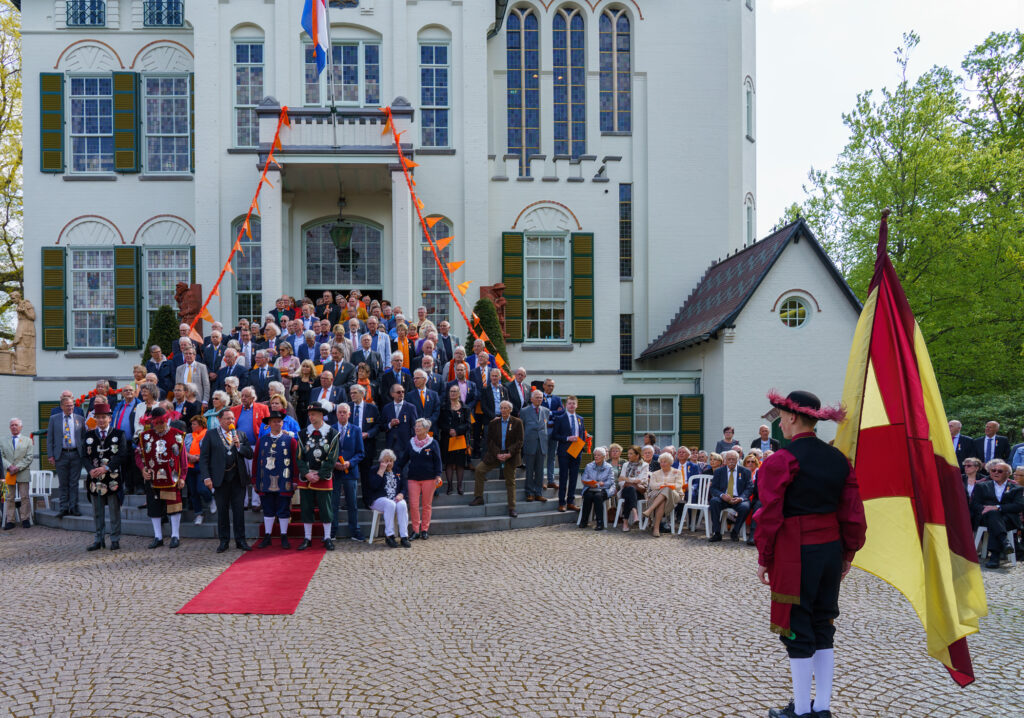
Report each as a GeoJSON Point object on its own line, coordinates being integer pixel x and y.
{"type": "Point", "coordinates": [330, 74]}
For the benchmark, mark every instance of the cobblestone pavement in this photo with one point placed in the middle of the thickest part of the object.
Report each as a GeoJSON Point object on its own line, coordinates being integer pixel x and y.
{"type": "Point", "coordinates": [540, 622]}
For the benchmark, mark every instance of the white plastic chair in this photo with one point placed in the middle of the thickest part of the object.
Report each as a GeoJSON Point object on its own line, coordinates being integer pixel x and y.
{"type": "Point", "coordinates": [700, 506]}
{"type": "Point", "coordinates": [731, 514]}
{"type": "Point", "coordinates": [604, 505]}
{"type": "Point", "coordinates": [640, 503]}
{"type": "Point", "coordinates": [40, 484]}
{"type": "Point", "coordinates": [981, 544]}
{"type": "Point", "coordinates": [377, 516]}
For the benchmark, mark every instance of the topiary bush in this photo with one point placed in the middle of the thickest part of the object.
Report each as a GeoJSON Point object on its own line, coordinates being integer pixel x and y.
{"type": "Point", "coordinates": [162, 331]}
{"type": "Point", "coordinates": [974, 410]}
{"type": "Point", "coordinates": [487, 315]}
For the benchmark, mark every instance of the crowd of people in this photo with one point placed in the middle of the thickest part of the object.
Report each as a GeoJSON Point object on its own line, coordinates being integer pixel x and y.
{"type": "Point", "coordinates": [327, 397]}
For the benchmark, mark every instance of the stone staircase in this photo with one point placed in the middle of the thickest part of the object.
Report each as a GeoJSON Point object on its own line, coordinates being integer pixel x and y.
{"type": "Point", "coordinates": [451, 514]}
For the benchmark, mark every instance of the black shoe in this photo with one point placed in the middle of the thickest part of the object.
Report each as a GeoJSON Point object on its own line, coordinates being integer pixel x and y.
{"type": "Point", "coordinates": [115, 545]}
{"type": "Point", "coordinates": [8, 526]}
{"type": "Point", "coordinates": [750, 542]}
{"type": "Point", "coordinates": [25, 524]}
{"type": "Point", "coordinates": [175, 542]}
{"type": "Point", "coordinates": [357, 537]}
{"type": "Point", "coordinates": [714, 538]}
{"type": "Point", "coordinates": [96, 546]}
{"type": "Point", "coordinates": [790, 712]}
{"type": "Point", "coordinates": [583, 525]}
{"type": "Point", "coordinates": [390, 541]}
{"type": "Point", "coordinates": [76, 512]}
{"type": "Point", "coordinates": [424, 535]}
{"type": "Point", "coordinates": [513, 514]}
{"type": "Point", "coordinates": [329, 544]}
{"type": "Point", "coordinates": [599, 527]}
{"type": "Point", "coordinates": [264, 542]}
{"type": "Point", "coordinates": [243, 546]}
{"type": "Point", "coordinates": [405, 543]}
{"type": "Point", "coordinates": [415, 535]}
{"type": "Point", "coordinates": [304, 545]}
{"type": "Point", "coordinates": [822, 714]}
{"type": "Point", "coordinates": [993, 561]}
{"type": "Point", "coordinates": [155, 543]}
{"type": "Point", "coordinates": [1007, 545]}
{"type": "Point", "coordinates": [284, 543]}
{"type": "Point", "coordinates": [222, 547]}
{"type": "Point", "coordinates": [61, 514]}
{"type": "Point", "coordinates": [477, 502]}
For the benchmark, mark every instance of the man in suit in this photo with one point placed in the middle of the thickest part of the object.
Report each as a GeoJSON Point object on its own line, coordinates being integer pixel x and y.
{"type": "Point", "coordinates": [355, 336]}
{"type": "Point", "coordinates": [380, 342]}
{"type": "Point", "coordinates": [261, 375]}
{"type": "Point", "coordinates": [962, 444]}
{"type": "Point", "coordinates": [327, 309]}
{"type": "Point", "coordinates": [231, 367]}
{"type": "Point", "coordinates": [222, 468]}
{"type": "Point", "coordinates": [328, 391]}
{"type": "Point", "coordinates": [179, 403]}
{"type": "Point", "coordinates": [518, 391]}
{"type": "Point", "coordinates": [764, 440]}
{"type": "Point", "coordinates": [434, 381]}
{"type": "Point", "coordinates": [344, 371]}
{"type": "Point", "coordinates": [504, 450]}
{"type": "Point", "coordinates": [997, 505]}
{"type": "Point", "coordinates": [397, 419]}
{"type": "Point", "coordinates": [213, 356]}
{"type": "Point", "coordinates": [309, 348]}
{"type": "Point", "coordinates": [366, 355]}
{"type": "Point", "coordinates": [346, 472]}
{"type": "Point", "coordinates": [307, 319]}
{"type": "Point", "coordinates": [18, 452]}
{"type": "Point", "coordinates": [208, 340]}
{"type": "Point", "coordinates": [192, 372]}
{"type": "Point", "coordinates": [107, 455]}
{"type": "Point", "coordinates": [731, 488]}
{"type": "Point", "coordinates": [428, 404]}
{"type": "Point", "coordinates": [446, 342]}
{"type": "Point", "coordinates": [535, 444]}
{"type": "Point", "coordinates": [554, 406]}
{"type": "Point", "coordinates": [367, 418]}
{"type": "Point", "coordinates": [247, 348]}
{"type": "Point", "coordinates": [567, 427]}
{"type": "Point", "coordinates": [491, 396]}
{"type": "Point", "coordinates": [161, 366]}
{"type": "Point", "coordinates": [397, 374]}
{"type": "Point", "coordinates": [64, 437]}
{"type": "Point", "coordinates": [992, 445]}
{"type": "Point", "coordinates": [480, 356]}
{"type": "Point", "coordinates": [324, 335]}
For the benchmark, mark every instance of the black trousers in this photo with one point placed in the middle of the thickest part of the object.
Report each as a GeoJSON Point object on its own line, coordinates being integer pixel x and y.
{"type": "Point", "coordinates": [593, 501]}
{"type": "Point", "coordinates": [629, 498]}
{"type": "Point", "coordinates": [229, 496]}
{"type": "Point", "coordinates": [821, 570]}
{"type": "Point", "coordinates": [716, 506]}
{"type": "Point", "coordinates": [997, 527]}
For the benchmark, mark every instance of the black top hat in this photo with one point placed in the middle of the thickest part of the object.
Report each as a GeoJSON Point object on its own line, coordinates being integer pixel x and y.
{"type": "Point", "coordinates": [273, 415]}
{"type": "Point", "coordinates": [324, 407]}
{"type": "Point", "coordinates": [807, 404]}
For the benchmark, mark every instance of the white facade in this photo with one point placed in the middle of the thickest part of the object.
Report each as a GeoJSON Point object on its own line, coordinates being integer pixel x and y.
{"type": "Point", "coordinates": [688, 156]}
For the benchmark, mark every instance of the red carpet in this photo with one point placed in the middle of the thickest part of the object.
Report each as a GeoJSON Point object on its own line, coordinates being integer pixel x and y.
{"type": "Point", "coordinates": [265, 581]}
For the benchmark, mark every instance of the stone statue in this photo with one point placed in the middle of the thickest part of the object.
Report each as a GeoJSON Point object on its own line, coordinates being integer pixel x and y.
{"type": "Point", "coordinates": [190, 302]}
{"type": "Point", "coordinates": [496, 293]}
{"type": "Point", "coordinates": [6, 358]}
{"type": "Point", "coordinates": [24, 343]}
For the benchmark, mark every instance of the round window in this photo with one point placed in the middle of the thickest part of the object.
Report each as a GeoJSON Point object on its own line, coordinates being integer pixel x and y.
{"type": "Point", "coordinates": [793, 312]}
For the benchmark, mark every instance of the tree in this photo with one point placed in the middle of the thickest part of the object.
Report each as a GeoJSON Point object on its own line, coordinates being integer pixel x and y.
{"type": "Point", "coordinates": [488, 324]}
{"type": "Point", "coordinates": [163, 331]}
{"type": "Point", "coordinates": [11, 270]}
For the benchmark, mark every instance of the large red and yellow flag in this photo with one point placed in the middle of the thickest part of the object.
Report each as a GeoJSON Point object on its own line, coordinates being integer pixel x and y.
{"type": "Point", "coordinates": [919, 535]}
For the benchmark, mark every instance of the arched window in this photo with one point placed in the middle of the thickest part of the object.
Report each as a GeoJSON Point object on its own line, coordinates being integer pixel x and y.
{"type": "Point", "coordinates": [435, 295]}
{"type": "Point", "coordinates": [523, 86]}
{"type": "Point", "coordinates": [748, 218]}
{"type": "Point", "coordinates": [570, 83]}
{"type": "Point", "coordinates": [333, 263]}
{"type": "Point", "coordinates": [616, 77]}
{"type": "Point", "coordinates": [248, 269]}
{"type": "Point", "coordinates": [748, 93]}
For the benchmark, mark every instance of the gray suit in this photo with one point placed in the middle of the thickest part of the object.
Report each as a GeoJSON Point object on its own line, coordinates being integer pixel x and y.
{"type": "Point", "coordinates": [200, 377]}
{"type": "Point", "coordinates": [535, 446]}
{"type": "Point", "coordinates": [68, 462]}
{"type": "Point", "coordinates": [19, 459]}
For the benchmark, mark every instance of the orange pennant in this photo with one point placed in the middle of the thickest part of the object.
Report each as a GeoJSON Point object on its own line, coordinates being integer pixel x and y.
{"type": "Point", "coordinates": [419, 203]}
{"type": "Point", "coordinates": [285, 120]}
{"type": "Point", "coordinates": [387, 126]}
{"type": "Point", "coordinates": [499, 361]}
{"type": "Point", "coordinates": [484, 337]}
{"type": "Point", "coordinates": [476, 319]}
{"type": "Point", "coordinates": [248, 233]}
{"type": "Point", "coordinates": [228, 268]}
{"type": "Point", "coordinates": [464, 287]}
{"type": "Point", "coordinates": [216, 289]}
{"type": "Point", "coordinates": [238, 247]}
{"type": "Point", "coordinates": [431, 221]}
{"type": "Point", "coordinates": [255, 207]}
{"type": "Point", "coordinates": [205, 315]}
{"type": "Point", "coordinates": [409, 164]}
{"type": "Point", "coordinates": [277, 143]}
{"type": "Point", "coordinates": [269, 183]}
{"type": "Point", "coordinates": [442, 243]}
{"type": "Point", "coordinates": [452, 266]}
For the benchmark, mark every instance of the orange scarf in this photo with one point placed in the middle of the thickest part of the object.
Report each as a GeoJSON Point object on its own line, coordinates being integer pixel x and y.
{"type": "Point", "coordinates": [403, 346]}
{"type": "Point", "coordinates": [365, 383]}
{"type": "Point", "coordinates": [193, 449]}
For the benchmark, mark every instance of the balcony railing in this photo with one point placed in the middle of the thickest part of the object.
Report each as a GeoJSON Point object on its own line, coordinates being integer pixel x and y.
{"type": "Point", "coordinates": [163, 13]}
{"type": "Point", "coordinates": [343, 129]}
{"type": "Point", "coordinates": [87, 13]}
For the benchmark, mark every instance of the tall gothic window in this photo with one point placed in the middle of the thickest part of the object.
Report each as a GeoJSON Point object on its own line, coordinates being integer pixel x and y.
{"type": "Point", "coordinates": [570, 83]}
{"type": "Point", "coordinates": [523, 86]}
{"type": "Point", "coordinates": [616, 77]}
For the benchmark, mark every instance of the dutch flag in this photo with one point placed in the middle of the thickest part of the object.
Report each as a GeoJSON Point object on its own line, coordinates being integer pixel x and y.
{"type": "Point", "coordinates": [314, 22]}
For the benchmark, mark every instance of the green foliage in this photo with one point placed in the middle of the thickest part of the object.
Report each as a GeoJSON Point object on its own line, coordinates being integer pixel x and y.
{"type": "Point", "coordinates": [11, 268]}
{"type": "Point", "coordinates": [488, 324]}
{"type": "Point", "coordinates": [163, 331]}
{"type": "Point", "coordinates": [974, 411]}
{"type": "Point", "coordinates": [944, 153]}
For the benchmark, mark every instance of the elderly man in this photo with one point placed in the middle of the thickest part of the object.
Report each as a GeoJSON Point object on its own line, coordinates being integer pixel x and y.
{"type": "Point", "coordinates": [491, 395]}
{"type": "Point", "coordinates": [963, 445]}
{"type": "Point", "coordinates": [992, 445]}
{"type": "Point", "coordinates": [353, 334]}
{"type": "Point", "coordinates": [535, 444]}
{"type": "Point", "coordinates": [397, 374]}
{"type": "Point", "coordinates": [380, 342]}
{"type": "Point", "coordinates": [365, 416]}
{"type": "Point", "coordinates": [261, 375]}
{"type": "Point", "coordinates": [479, 352]}
{"type": "Point", "coordinates": [223, 468]}
{"type": "Point", "coordinates": [428, 352]}
{"type": "Point", "coordinates": [731, 488]}
{"type": "Point", "coordinates": [309, 348]}
{"type": "Point", "coordinates": [504, 450]}
{"type": "Point", "coordinates": [231, 368]}
{"type": "Point", "coordinates": [246, 347]}
{"type": "Point", "coordinates": [107, 453]}
{"type": "Point", "coordinates": [568, 427]}
{"type": "Point", "coordinates": [365, 355]}
{"type": "Point", "coordinates": [323, 332]}
{"type": "Point", "coordinates": [346, 473]}
{"type": "Point", "coordinates": [428, 404]}
{"type": "Point", "coordinates": [555, 409]}
{"type": "Point", "coordinates": [397, 420]}
{"type": "Point", "coordinates": [343, 370]}
{"type": "Point", "coordinates": [434, 381]}
{"type": "Point", "coordinates": [161, 366]}
{"type": "Point", "coordinates": [65, 450]}
{"type": "Point", "coordinates": [457, 360]}
{"type": "Point", "coordinates": [446, 341]}
{"type": "Point", "coordinates": [18, 453]}
{"type": "Point", "coordinates": [213, 355]}
{"type": "Point", "coordinates": [997, 505]}
{"type": "Point", "coordinates": [192, 372]}
{"type": "Point", "coordinates": [599, 481]}
{"type": "Point", "coordinates": [327, 391]}
{"type": "Point", "coordinates": [162, 458]}
{"type": "Point", "coordinates": [518, 391]}
{"type": "Point", "coordinates": [764, 440]}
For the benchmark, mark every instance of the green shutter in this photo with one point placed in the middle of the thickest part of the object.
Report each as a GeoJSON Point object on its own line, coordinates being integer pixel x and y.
{"type": "Point", "coordinates": [691, 420]}
{"type": "Point", "coordinates": [55, 306]}
{"type": "Point", "coordinates": [586, 406]}
{"type": "Point", "coordinates": [127, 299]}
{"type": "Point", "coordinates": [192, 263]}
{"type": "Point", "coordinates": [192, 122]}
{"type": "Point", "coordinates": [582, 287]}
{"type": "Point", "coordinates": [51, 121]}
{"type": "Point", "coordinates": [512, 278]}
{"type": "Point", "coordinates": [45, 408]}
{"type": "Point", "coordinates": [126, 122]}
{"type": "Point", "coordinates": [622, 421]}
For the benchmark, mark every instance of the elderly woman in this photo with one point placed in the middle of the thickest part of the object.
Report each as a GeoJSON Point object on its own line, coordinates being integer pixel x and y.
{"type": "Point", "coordinates": [752, 462]}
{"type": "Point", "coordinates": [615, 457]}
{"type": "Point", "coordinates": [323, 353]}
{"type": "Point", "coordinates": [270, 334]}
{"type": "Point", "coordinates": [633, 483]}
{"type": "Point", "coordinates": [663, 487]}
{"type": "Point", "coordinates": [240, 357]}
{"type": "Point", "coordinates": [404, 345]}
{"type": "Point", "coordinates": [371, 390]}
{"type": "Point", "coordinates": [148, 398]}
{"type": "Point", "coordinates": [219, 400]}
{"type": "Point", "coordinates": [288, 364]}
{"type": "Point", "coordinates": [453, 421]}
{"type": "Point", "coordinates": [232, 390]}
{"type": "Point", "coordinates": [196, 490]}
{"type": "Point", "coordinates": [138, 377]}
{"type": "Point", "coordinates": [972, 476]}
{"type": "Point", "coordinates": [303, 384]}
{"type": "Point", "coordinates": [421, 468]}
{"type": "Point", "coordinates": [384, 491]}
{"type": "Point", "coordinates": [715, 461]}
{"type": "Point", "coordinates": [598, 486]}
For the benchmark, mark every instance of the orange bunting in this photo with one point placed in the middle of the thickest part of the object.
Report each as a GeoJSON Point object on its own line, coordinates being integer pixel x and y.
{"type": "Point", "coordinates": [285, 120]}
{"type": "Point", "coordinates": [205, 315]}
{"type": "Point", "coordinates": [452, 266]}
{"type": "Point", "coordinates": [409, 164]}
{"type": "Point", "coordinates": [464, 287]}
{"type": "Point", "coordinates": [228, 268]}
{"type": "Point", "coordinates": [248, 233]}
{"type": "Point", "coordinates": [255, 207]}
{"type": "Point", "coordinates": [499, 361]}
{"type": "Point", "coordinates": [272, 159]}
{"type": "Point", "coordinates": [431, 221]}
{"type": "Point", "coordinates": [419, 203]}
{"type": "Point", "coordinates": [387, 125]}
{"type": "Point", "coordinates": [264, 179]}
{"type": "Point", "coordinates": [215, 292]}
{"type": "Point", "coordinates": [484, 337]}
{"type": "Point", "coordinates": [476, 319]}
{"type": "Point", "coordinates": [277, 143]}
{"type": "Point", "coordinates": [238, 247]}
{"type": "Point", "coordinates": [442, 243]}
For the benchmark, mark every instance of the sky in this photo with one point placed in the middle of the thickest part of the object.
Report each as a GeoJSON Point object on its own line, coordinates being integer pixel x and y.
{"type": "Point", "coordinates": [815, 56]}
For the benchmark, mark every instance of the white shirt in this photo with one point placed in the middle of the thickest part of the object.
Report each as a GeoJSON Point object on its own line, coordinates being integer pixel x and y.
{"type": "Point", "coordinates": [999, 489]}
{"type": "Point", "coordinates": [574, 424]}
{"type": "Point", "coordinates": [69, 421]}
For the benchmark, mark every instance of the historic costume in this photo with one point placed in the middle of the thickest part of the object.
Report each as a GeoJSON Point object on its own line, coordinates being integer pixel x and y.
{"type": "Point", "coordinates": [106, 448]}
{"type": "Point", "coordinates": [809, 527]}
{"type": "Point", "coordinates": [163, 461]}
{"type": "Point", "coordinates": [318, 450]}
{"type": "Point", "coordinates": [274, 466]}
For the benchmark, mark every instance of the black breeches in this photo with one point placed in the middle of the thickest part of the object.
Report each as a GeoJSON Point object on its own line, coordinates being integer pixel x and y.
{"type": "Point", "coordinates": [821, 569]}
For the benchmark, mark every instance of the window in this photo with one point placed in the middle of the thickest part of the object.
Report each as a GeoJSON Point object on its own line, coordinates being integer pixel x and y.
{"type": "Point", "coordinates": [793, 312]}
{"type": "Point", "coordinates": [92, 124]}
{"type": "Point", "coordinates": [86, 12]}
{"type": "Point", "coordinates": [546, 284]}
{"type": "Point", "coordinates": [750, 110]}
{"type": "Point", "coordinates": [570, 84]}
{"type": "Point", "coordinates": [434, 99]}
{"type": "Point", "coordinates": [625, 231]}
{"type": "Point", "coordinates": [352, 77]}
{"type": "Point", "coordinates": [616, 79]}
{"type": "Point", "coordinates": [626, 342]}
{"type": "Point", "coordinates": [248, 92]}
{"type": "Point", "coordinates": [248, 269]}
{"type": "Point", "coordinates": [162, 13]}
{"type": "Point", "coordinates": [435, 295]}
{"type": "Point", "coordinates": [523, 86]}
{"type": "Point", "coordinates": [163, 268]}
{"type": "Point", "coordinates": [329, 267]}
{"type": "Point", "coordinates": [748, 209]}
{"type": "Point", "coordinates": [92, 298]}
{"type": "Point", "coordinates": [656, 415]}
{"type": "Point", "coordinates": [166, 101]}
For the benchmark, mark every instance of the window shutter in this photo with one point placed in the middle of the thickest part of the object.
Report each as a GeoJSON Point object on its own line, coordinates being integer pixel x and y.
{"type": "Point", "coordinates": [127, 298]}
{"type": "Point", "coordinates": [192, 263]}
{"type": "Point", "coordinates": [586, 406]}
{"type": "Point", "coordinates": [45, 407]}
{"type": "Point", "coordinates": [126, 121]}
{"type": "Point", "coordinates": [512, 278]}
{"type": "Point", "coordinates": [192, 122]}
{"type": "Point", "coordinates": [691, 420]}
{"type": "Point", "coordinates": [55, 306]}
{"type": "Point", "coordinates": [622, 421]}
{"type": "Point", "coordinates": [583, 287]}
{"type": "Point", "coordinates": [51, 121]}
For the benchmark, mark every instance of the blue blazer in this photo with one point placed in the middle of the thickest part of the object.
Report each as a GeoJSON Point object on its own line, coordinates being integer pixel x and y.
{"type": "Point", "coordinates": [305, 352]}
{"type": "Point", "coordinates": [562, 431]}
{"type": "Point", "coordinates": [398, 437]}
{"type": "Point", "coordinates": [431, 410]}
{"type": "Point", "coordinates": [164, 374]}
{"type": "Point", "coordinates": [554, 405]}
{"type": "Point", "coordinates": [235, 370]}
{"type": "Point", "coordinates": [371, 423]}
{"type": "Point", "coordinates": [350, 448]}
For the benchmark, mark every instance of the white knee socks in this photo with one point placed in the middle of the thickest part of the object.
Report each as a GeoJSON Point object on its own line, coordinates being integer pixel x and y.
{"type": "Point", "coordinates": [309, 531]}
{"type": "Point", "coordinates": [268, 525]}
{"type": "Point", "coordinates": [327, 531]}
{"type": "Point", "coordinates": [158, 529]}
{"type": "Point", "coordinates": [175, 526]}
{"type": "Point", "coordinates": [284, 526]}
{"type": "Point", "coordinates": [802, 669]}
{"type": "Point", "coordinates": [824, 661]}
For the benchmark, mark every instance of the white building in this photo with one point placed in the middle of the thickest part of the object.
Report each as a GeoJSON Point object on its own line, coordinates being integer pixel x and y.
{"type": "Point", "coordinates": [596, 156]}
